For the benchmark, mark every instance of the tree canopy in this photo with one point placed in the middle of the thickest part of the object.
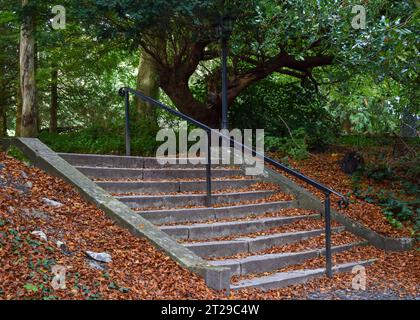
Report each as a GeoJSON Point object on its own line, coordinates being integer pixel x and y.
{"type": "Point", "coordinates": [311, 43]}
{"type": "Point", "coordinates": [295, 38]}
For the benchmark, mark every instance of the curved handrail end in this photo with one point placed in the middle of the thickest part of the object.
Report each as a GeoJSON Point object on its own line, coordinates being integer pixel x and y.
{"type": "Point", "coordinates": [122, 91]}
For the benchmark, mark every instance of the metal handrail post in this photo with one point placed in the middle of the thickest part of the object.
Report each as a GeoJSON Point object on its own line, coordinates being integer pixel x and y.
{"type": "Point", "coordinates": [127, 124]}
{"type": "Point", "coordinates": [208, 168]}
{"type": "Point", "coordinates": [328, 255]}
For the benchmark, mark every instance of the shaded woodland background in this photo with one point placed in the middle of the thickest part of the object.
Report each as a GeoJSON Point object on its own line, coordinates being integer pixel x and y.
{"type": "Point", "coordinates": [295, 68]}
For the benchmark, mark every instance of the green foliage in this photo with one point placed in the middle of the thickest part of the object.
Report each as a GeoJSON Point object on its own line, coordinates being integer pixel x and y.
{"type": "Point", "coordinates": [31, 287]}
{"type": "Point", "coordinates": [395, 209]}
{"type": "Point", "coordinates": [9, 61]}
{"type": "Point", "coordinates": [372, 81]}
{"type": "Point", "coordinates": [90, 72]}
{"type": "Point", "coordinates": [364, 106]}
{"type": "Point", "coordinates": [298, 29]}
{"type": "Point", "coordinates": [279, 106]}
{"type": "Point", "coordinates": [295, 146]}
{"type": "Point", "coordinates": [90, 75]}
{"type": "Point", "coordinates": [414, 171]}
{"type": "Point", "coordinates": [412, 167]}
{"type": "Point", "coordinates": [358, 141]}
{"type": "Point", "coordinates": [379, 171]}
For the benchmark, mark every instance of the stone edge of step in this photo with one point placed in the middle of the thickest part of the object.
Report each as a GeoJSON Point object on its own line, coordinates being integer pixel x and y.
{"type": "Point", "coordinates": [283, 279]}
{"type": "Point", "coordinates": [229, 223]}
{"type": "Point", "coordinates": [191, 231]}
{"type": "Point", "coordinates": [204, 213]}
{"type": "Point", "coordinates": [193, 195]}
{"type": "Point", "coordinates": [77, 158]}
{"type": "Point", "coordinates": [250, 245]}
{"type": "Point", "coordinates": [142, 183]}
{"type": "Point", "coordinates": [155, 169]}
{"type": "Point", "coordinates": [266, 262]}
{"type": "Point", "coordinates": [216, 209]}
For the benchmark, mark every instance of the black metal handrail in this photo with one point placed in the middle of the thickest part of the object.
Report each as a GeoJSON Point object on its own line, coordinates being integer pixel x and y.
{"type": "Point", "coordinates": [125, 91]}
{"type": "Point", "coordinates": [343, 202]}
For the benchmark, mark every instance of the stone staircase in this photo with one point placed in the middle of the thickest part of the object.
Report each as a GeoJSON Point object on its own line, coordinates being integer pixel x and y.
{"type": "Point", "coordinates": [252, 227]}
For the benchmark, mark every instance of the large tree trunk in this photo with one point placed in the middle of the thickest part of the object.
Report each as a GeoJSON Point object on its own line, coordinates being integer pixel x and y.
{"type": "Point", "coordinates": [54, 100]}
{"type": "Point", "coordinates": [29, 126]}
{"type": "Point", "coordinates": [148, 84]}
{"type": "Point", "coordinates": [182, 97]}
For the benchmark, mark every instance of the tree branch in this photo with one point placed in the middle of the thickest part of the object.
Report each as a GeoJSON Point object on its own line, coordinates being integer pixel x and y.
{"type": "Point", "coordinates": [296, 68]}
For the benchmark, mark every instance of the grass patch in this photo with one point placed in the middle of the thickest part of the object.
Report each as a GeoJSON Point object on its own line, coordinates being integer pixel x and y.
{"type": "Point", "coordinates": [19, 155]}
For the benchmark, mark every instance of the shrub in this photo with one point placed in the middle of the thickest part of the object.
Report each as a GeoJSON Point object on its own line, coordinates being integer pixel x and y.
{"type": "Point", "coordinates": [379, 171]}
{"type": "Point", "coordinates": [295, 147]}
{"type": "Point", "coordinates": [277, 107]}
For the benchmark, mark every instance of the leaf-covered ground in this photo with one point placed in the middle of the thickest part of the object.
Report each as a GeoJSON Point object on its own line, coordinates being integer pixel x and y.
{"type": "Point", "coordinates": [325, 168]}
{"type": "Point", "coordinates": [137, 270]}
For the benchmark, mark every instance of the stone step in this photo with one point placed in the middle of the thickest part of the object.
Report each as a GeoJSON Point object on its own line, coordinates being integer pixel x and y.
{"type": "Point", "coordinates": [173, 201]}
{"type": "Point", "coordinates": [203, 214]}
{"type": "Point", "coordinates": [204, 231]}
{"type": "Point", "coordinates": [271, 262]}
{"type": "Point", "coordinates": [95, 160]}
{"type": "Point", "coordinates": [213, 249]}
{"type": "Point", "coordinates": [284, 279]}
{"type": "Point", "coordinates": [112, 161]}
{"type": "Point", "coordinates": [129, 173]}
{"type": "Point", "coordinates": [172, 186]}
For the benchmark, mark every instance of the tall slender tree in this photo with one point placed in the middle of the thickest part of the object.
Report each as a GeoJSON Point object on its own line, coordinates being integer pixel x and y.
{"type": "Point", "coordinates": [29, 126]}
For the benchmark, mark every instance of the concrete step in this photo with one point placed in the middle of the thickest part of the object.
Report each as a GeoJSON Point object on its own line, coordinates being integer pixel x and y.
{"type": "Point", "coordinates": [221, 229]}
{"type": "Point", "coordinates": [284, 279]}
{"type": "Point", "coordinates": [203, 214]}
{"type": "Point", "coordinates": [112, 161]}
{"type": "Point", "coordinates": [228, 248]}
{"type": "Point", "coordinates": [172, 186]}
{"type": "Point", "coordinates": [271, 262]}
{"type": "Point", "coordinates": [95, 160]}
{"type": "Point", "coordinates": [173, 201]}
{"type": "Point", "coordinates": [158, 174]}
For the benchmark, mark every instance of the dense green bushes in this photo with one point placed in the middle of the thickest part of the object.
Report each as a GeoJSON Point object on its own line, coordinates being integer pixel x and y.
{"type": "Point", "coordinates": [294, 146]}
{"type": "Point", "coordinates": [293, 116]}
